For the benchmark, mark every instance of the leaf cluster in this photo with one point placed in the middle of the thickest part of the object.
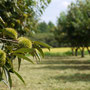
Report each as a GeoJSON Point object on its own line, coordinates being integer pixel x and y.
{"type": "Point", "coordinates": [18, 17]}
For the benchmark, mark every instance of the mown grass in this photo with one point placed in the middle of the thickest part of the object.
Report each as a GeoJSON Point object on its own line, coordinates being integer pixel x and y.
{"type": "Point", "coordinates": [57, 73]}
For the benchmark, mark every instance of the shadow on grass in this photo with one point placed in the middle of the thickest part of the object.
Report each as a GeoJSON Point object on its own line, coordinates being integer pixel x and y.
{"type": "Point", "coordinates": [73, 78]}
{"type": "Point", "coordinates": [65, 61]}
{"type": "Point", "coordinates": [52, 67]}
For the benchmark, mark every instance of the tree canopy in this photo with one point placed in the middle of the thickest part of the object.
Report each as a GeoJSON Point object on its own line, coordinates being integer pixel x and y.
{"type": "Point", "coordinates": [17, 18]}
{"type": "Point", "coordinates": [73, 28]}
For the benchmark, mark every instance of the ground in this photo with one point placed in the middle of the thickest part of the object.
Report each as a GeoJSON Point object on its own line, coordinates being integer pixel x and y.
{"type": "Point", "coordinates": [57, 73]}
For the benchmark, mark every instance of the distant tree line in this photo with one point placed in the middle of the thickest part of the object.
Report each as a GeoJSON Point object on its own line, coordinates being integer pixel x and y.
{"type": "Point", "coordinates": [45, 33]}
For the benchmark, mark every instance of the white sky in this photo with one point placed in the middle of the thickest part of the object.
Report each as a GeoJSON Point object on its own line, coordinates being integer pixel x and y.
{"type": "Point", "coordinates": [53, 10]}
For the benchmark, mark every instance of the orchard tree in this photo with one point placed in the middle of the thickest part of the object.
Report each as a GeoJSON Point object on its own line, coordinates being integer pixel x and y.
{"type": "Point", "coordinates": [42, 27]}
{"type": "Point", "coordinates": [18, 17]}
{"type": "Point", "coordinates": [60, 30]}
{"type": "Point", "coordinates": [78, 25]}
{"type": "Point", "coordinates": [51, 27]}
{"type": "Point", "coordinates": [74, 27]}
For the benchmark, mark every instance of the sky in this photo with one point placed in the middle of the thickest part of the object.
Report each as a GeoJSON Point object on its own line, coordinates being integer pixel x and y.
{"type": "Point", "coordinates": [53, 10]}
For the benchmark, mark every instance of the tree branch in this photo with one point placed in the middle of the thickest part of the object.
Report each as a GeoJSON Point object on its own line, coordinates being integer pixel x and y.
{"type": "Point", "coordinates": [9, 40]}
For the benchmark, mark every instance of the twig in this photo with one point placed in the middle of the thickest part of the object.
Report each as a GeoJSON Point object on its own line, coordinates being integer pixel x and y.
{"type": "Point", "coordinates": [9, 40]}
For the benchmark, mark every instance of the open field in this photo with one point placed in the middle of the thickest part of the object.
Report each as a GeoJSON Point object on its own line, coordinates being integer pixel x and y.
{"type": "Point", "coordinates": [56, 50]}
{"type": "Point", "coordinates": [59, 50]}
{"type": "Point", "coordinates": [57, 73]}
{"type": "Point", "coordinates": [63, 51]}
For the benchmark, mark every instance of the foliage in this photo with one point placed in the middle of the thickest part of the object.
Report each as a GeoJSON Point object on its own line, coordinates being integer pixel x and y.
{"type": "Point", "coordinates": [46, 38]}
{"type": "Point", "coordinates": [45, 34]}
{"type": "Point", "coordinates": [18, 17]}
{"type": "Point", "coordinates": [73, 28]}
{"type": "Point", "coordinates": [43, 27]}
{"type": "Point", "coordinates": [60, 30]}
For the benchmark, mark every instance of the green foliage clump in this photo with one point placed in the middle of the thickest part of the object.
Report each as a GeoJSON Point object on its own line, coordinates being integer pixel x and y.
{"type": "Point", "coordinates": [25, 42]}
{"type": "Point", "coordinates": [18, 18]}
{"type": "Point", "coordinates": [2, 58]}
{"type": "Point", "coordinates": [10, 32]}
{"type": "Point", "coordinates": [73, 28]}
{"type": "Point", "coordinates": [46, 38]}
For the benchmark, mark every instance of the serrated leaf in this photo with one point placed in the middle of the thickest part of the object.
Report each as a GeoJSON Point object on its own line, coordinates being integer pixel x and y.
{"type": "Point", "coordinates": [6, 83]}
{"type": "Point", "coordinates": [9, 61]}
{"type": "Point", "coordinates": [19, 77]}
{"type": "Point", "coordinates": [39, 49]}
{"type": "Point", "coordinates": [24, 57]}
{"type": "Point", "coordinates": [23, 50]}
{"type": "Point", "coordinates": [37, 55]}
{"type": "Point", "coordinates": [8, 76]}
{"type": "Point", "coordinates": [43, 44]}
{"type": "Point", "coordinates": [19, 63]}
{"type": "Point", "coordinates": [1, 20]}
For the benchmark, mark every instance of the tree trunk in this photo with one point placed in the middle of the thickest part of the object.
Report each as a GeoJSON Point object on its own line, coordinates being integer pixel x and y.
{"type": "Point", "coordinates": [88, 50]}
{"type": "Point", "coordinates": [72, 51]}
{"type": "Point", "coordinates": [82, 52]}
{"type": "Point", "coordinates": [76, 52]}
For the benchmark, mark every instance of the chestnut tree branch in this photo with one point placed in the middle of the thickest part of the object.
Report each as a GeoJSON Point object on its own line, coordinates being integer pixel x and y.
{"type": "Point", "coordinates": [8, 40]}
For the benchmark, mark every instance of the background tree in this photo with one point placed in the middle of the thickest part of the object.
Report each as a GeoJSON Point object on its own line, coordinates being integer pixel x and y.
{"type": "Point", "coordinates": [42, 27]}
{"type": "Point", "coordinates": [74, 27]}
{"type": "Point", "coordinates": [60, 30]}
{"type": "Point", "coordinates": [45, 34]}
{"type": "Point", "coordinates": [79, 21]}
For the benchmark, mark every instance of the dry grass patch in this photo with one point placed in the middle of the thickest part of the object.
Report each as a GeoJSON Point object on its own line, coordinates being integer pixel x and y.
{"type": "Point", "coordinates": [57, 73]}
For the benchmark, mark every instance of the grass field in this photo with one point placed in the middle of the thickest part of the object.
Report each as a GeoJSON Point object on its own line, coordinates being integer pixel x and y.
{"type": "Point", "coordinates": [57, 50]}
{"type": "Point", "coordinates": [66, 51]}
{"type": "Point", "coordinates": [57, 73]}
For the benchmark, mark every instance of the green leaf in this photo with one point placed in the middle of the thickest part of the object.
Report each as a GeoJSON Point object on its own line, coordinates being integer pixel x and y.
{"type": "Point", "coordinates": [39, 49]}
{"type": "Point", "coordinates": [48, 1]}
{"type": "Point", "coordinates": [6, 83]}
{"type": "Point", "coordinates": [10, 80]}
{"type": "Point", "coordinates": [1, 20]}
{"type": "Point", "coordinates": [23, 50]}
{"type": "Point", "coordinates": [43, 44]}
{"type": "Point", "coordinates": [8, 76]}
{"type": "Point", "coordinates": [19, 77]}
{"type": "Point", "coordinates": [24, 57]}
{"type": "Point", "coordinates": [37, 55]}
{"type": "Point", "coordinates": [10, 62]}
{"type": "Point", "coordinates": [19, 63]}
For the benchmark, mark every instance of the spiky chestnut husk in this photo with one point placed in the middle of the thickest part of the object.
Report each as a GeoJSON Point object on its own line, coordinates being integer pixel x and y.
{"type": "Point", "coordinates": [10, 32]}
{"type": "Point", "coordinates": [25, 15]}
{"type": "Point", "coordinates": [12, 24]}
{"type": "Point", "coordinates": [2, 58]}
{"type": "Point", "coordinates": [24, 42]}
{"type": "Point", "coordinates": [18, 21]}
